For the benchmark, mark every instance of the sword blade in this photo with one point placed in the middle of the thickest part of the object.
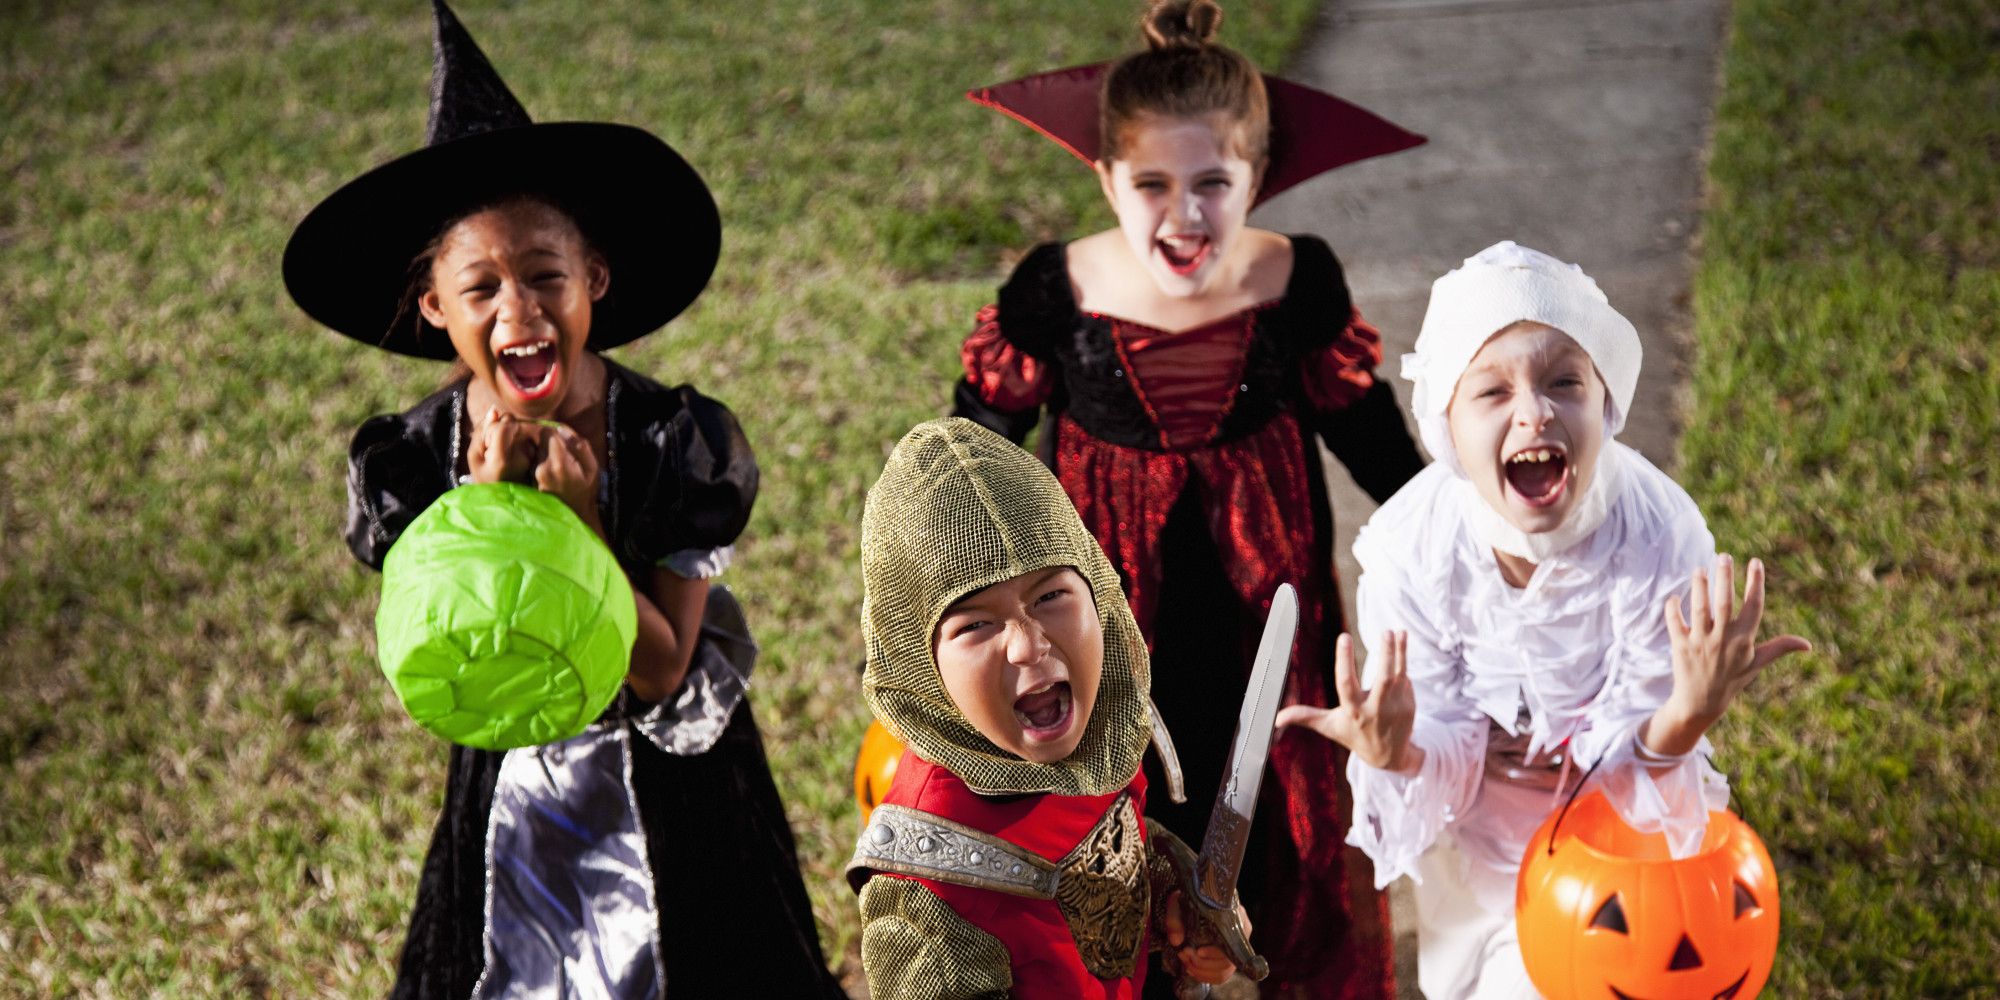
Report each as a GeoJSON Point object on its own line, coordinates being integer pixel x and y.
{"type": "Point", "coordinates": [1236, 800]}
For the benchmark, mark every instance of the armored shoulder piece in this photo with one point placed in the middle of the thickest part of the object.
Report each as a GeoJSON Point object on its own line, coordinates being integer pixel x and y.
{"type": "Point", "coordinates": [914, 947]}
{"type": "Point", "coordinates": [913, 842]}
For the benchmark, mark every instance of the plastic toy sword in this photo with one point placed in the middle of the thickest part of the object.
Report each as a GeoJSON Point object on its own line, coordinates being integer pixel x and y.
{"type": "Point", "coordinates": [1211, 876]}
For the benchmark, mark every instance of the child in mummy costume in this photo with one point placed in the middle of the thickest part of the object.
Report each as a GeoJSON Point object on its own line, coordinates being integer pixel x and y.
{"type": "Point", "coordinates": [1526, 590]}
{"type": "Point", "coordinates": [1009, 858]}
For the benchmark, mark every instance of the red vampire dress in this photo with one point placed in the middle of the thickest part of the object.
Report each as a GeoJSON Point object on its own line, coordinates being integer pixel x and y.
{"type": "Point", "coordinates": [1190, 456]}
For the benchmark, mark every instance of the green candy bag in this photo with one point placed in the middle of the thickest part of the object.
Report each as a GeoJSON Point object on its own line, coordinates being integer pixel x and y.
{"type": "Point", "coordinates": [505, 622]}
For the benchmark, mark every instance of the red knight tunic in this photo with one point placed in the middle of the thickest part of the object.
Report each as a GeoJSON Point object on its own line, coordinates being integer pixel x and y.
{"type": "Point", "coordinates": [1046, 964]}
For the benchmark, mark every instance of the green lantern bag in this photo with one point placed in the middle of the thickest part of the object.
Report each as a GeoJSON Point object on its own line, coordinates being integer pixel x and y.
{"type": "Point", "coordinates": [505, 622]}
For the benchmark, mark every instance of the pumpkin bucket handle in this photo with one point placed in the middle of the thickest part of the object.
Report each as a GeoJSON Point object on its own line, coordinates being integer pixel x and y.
{"type": "Point", "coordinates": [1573, 793]}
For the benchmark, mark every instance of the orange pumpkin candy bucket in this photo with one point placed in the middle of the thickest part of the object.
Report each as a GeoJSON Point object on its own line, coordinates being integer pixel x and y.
{"type": "Point", "coordinates": [1604, 912]}
{"type": "Point", "coordinates": [875, 767]}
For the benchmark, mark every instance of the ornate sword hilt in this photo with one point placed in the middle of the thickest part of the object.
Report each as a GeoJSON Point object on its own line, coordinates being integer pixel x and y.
{"type": "Point", "coordinates": [1208, 921]}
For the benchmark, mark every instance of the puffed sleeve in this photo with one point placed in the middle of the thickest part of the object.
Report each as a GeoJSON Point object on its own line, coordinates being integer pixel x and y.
{"type": "Point", "coordinates": [392, 476]}
{"type": "Point", "coordinates": [1653, 793]}
{"type": "Point", "coordinates": [1403, 585]}
{"type": "Point", "coordinates": [915, 947]}
{"type": "Point", "coordinates": [1004, 387]}
{"type": "Point", "coordinates": [1341, 372]}
{"type": "Point", "coordinates": [698, 477]}
{"type": "Point", "coordinates": [1010, 357]}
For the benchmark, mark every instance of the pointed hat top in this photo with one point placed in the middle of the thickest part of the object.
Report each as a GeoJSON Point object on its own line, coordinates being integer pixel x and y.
{"type": "Point", "coordinates": [348, 261]}
{"type": "Point", "coordinates": [467, 95]}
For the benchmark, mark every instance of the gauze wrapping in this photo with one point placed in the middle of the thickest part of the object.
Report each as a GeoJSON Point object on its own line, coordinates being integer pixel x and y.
{"type": "Point", "coordinates": [959, 508]}
{"type": "Point", "coordinates": [1501, 285]}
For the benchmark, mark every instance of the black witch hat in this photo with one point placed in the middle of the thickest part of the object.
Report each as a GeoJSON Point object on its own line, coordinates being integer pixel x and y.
{"type": "Point", "coordinates": [639, 204]}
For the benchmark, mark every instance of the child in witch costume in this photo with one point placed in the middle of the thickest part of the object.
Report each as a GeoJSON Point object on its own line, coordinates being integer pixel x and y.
{"type": "Point", "coordinates": [1186, 362]}
{"type": "Point", "coordinates": [1527, 588]}
{"type": "Point", "coordinates": [1009, 857]}
{"type": "Point", "coordinates": [624, 861]}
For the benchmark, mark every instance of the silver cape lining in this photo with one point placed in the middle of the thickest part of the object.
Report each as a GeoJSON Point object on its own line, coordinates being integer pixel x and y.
{"type": "Point", "coordinates": [569, 890]}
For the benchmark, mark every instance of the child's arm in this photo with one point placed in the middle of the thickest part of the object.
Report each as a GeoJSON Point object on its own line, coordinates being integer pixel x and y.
{"type": "Point", "coordinates": [1357, 415]}
{"type": "Point", "coordinates": [1431, 738]}
{"type": "Point", "coordinates": [914, 947]}
{"type": "Point", "coordinates": [391, 478]}
{"type": "Point", "coordinates": [1375, 726]}
{"type": "Point", "coordinates": [1645, 733]}
{"type": "Point", "coordinates": [708, 488]}
{"type": "Point", "coordinates": [1003, 388]}
{"type": "Point", "coordinates": [669, 621]}
{"type": "Point", "coordinates": [1715, 655]}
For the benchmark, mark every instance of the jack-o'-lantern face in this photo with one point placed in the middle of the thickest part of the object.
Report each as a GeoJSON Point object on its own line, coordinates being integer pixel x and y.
{"type": "Point", "coordinates": [1609, 915]}
{"type": "Point", "coordinates": [875, 768]}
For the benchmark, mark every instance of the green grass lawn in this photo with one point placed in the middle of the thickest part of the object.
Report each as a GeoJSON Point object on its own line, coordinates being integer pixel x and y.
{"type": "Point", "coordinates": [1845, 419]}
{"type": "Point", "coordinates": [206, 788]}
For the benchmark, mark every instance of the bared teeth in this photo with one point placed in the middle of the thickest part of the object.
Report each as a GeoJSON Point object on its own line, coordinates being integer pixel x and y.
{"type": "Point", "coordinates": [525, 350]}
{"type": "Point", "coordinates": [1534, 455]}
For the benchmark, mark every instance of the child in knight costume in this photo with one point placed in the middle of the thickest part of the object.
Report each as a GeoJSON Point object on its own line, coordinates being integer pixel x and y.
{"type": "Point", "coordinates": [623, 861]}
{"type": "Point", "coordinates": [1009, 858]}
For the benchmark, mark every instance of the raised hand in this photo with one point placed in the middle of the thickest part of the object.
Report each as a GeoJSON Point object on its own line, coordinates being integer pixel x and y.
{"type": "Point", "coordinates": [1715, 648]}
{"type": "Point", "coordinates": [1374, 725]}
{"type": "Point", "coordinates": [503, 449]}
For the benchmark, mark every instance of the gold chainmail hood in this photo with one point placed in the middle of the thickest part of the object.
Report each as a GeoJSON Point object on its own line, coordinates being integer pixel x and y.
{"type": "Point", "coordinates": [959, 508]}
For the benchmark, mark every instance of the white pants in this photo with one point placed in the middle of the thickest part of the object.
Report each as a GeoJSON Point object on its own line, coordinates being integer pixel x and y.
{"type": "Point", "coordinates": [1467, 947]}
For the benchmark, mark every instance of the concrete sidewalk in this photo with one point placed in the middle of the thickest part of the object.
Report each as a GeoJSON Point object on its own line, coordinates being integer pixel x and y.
{"type": "Point", "coordinates": [1572, 126]}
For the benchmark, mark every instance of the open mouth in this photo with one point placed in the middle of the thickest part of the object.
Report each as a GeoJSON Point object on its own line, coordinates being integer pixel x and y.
{"type": "Point", "coordinates": [530, 368]}
{"type": "Point", "coordinates": [1184, 254]}
{"type": "Point", "coordinates": [1726, 993]}
{"type": "Point", "coordinates": [1538, 475]}
{"type": "Point", "coordinates": [1045, 713]}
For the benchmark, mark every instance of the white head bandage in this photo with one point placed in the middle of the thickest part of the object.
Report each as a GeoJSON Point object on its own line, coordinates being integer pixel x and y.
{"type": "Point", "coordinates": [1502, 285]}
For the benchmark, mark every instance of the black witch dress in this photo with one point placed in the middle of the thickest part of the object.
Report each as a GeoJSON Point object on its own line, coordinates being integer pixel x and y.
{"type": "Point", "coordinates": [683, 786]}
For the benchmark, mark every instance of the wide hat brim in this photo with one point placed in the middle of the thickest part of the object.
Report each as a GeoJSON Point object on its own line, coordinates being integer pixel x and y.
{"type": "Point", "coordinates": [1312, 131]}
{"type": "Point", "coordinates": [639, 204]}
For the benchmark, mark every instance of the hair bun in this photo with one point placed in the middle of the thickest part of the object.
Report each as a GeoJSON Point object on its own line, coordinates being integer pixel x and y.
{"type": "Point", "coordinates": [1181, 24]}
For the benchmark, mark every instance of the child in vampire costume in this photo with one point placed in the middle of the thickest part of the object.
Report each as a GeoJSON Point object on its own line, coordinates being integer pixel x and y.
{"type": "Point", "coordinates": [1182, 402]}
{"type": "Point", "coordinates": [629, 860]}
{"type": "Point", "coordinates": [1009, 858]}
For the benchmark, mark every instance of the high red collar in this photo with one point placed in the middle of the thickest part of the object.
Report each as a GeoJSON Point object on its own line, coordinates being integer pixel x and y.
{"type": "Point", "coordinates": [1312, 131]}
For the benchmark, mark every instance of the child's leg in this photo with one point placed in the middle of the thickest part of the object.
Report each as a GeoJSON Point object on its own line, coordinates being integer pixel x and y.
{"type": "Point", "coordinates": [1466, 945]}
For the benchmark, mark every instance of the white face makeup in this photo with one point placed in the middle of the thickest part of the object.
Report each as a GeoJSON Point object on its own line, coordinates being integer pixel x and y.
{"type": "Point", "coordinates": [1527, 423]}
{"type": "Point", "coordinates": [1182, 196]}
{"type": "Point", "coordinates": [1022, 658]}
